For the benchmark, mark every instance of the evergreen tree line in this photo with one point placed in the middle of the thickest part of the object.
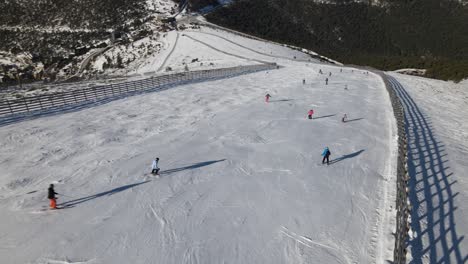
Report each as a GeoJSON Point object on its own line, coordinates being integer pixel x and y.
{"type": "Point", "coordinates": [430, 34]}
{"type": "Point", "coordinates": [92, 14]}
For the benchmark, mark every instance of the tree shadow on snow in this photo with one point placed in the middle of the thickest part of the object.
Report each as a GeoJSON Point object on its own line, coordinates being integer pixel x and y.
{"type": "Point", "coordinates": [94, 196]}
{"type": "Point", "coordinates": [430, 190]}
{"type": "Point", "coordinates": [191, 167]}
{"type": "Point", "coordinates": [324, 116]}
{"type": "Point", "coordinates": [349, 156]}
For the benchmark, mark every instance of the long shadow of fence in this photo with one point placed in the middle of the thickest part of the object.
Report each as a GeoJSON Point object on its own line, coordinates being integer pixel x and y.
{"type": "Point", "coordinates": [430, 190]}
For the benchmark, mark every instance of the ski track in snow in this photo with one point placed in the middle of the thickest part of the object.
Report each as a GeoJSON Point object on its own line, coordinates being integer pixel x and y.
{"type": "Point", "coordinates": [335, 252]}
{"type": "Point", "coordinates": [241, 179]}
{"type": "Point", "coordinates": [174, 45]}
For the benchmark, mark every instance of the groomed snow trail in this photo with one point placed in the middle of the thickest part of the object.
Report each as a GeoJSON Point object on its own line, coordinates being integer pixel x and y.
{"type": "Point", "coordinates": [241, 180]}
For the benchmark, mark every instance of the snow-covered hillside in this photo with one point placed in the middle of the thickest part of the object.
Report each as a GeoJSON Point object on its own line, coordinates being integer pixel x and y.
{"type": "Point", "coordinates": [438, 146]}
{"type": "Point", "coordinates": [241, 180]}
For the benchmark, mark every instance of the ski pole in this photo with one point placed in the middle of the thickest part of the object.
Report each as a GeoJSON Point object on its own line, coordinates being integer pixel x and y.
{"type": "Point", "coordinates": [65, 195]}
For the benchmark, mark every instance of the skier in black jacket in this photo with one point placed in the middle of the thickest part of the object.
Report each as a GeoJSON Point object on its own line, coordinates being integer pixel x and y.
{"type": "Point", "coordinates": [52, 198]}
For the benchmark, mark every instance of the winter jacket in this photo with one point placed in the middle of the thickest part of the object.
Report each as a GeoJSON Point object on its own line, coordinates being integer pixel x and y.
{"type": "Point", "coordinates": [155, 165]}
{"type": "Point", "coordinates": [326, 152]}
{"type": "Point", "coordinates": [51, 194]}
{"type": "Point", "coordinates": [311, 112]}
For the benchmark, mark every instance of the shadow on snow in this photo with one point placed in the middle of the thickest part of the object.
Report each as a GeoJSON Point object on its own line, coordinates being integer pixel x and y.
{"type": "Point", "coordinates": [191, 167]}
{"type": "Point", "coordinates": [352, 120]}
{"type": "Point", "coordinates": [431, 195]}
{"type": "Point", "coordinates": [324, 116]}
{"type": "Point", "coordinates": [281, 100]}
{"type": "Point", "coordinates": [129, 186]}
{"type": "Point", "coordinates": [349, 156]}
{"type": "Point", "coordinates": [94, 196]}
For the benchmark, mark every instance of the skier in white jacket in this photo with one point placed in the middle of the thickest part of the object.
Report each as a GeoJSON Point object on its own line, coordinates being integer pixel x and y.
{"type": "Point", "coordinates": [154, 167]}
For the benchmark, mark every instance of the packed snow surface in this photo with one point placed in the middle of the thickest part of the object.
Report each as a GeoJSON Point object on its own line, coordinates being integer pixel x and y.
{"type": "Point", "coordinates": [438, 146]}
{"type": "Point", "coordinates": [241, 179]}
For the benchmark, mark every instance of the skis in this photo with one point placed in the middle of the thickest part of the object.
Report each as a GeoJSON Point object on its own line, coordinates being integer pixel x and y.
{"type": "Point", "coordinates": [48, 209]}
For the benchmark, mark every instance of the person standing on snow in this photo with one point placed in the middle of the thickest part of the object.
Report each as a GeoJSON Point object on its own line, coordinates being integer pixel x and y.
{"type": "Point", "coordinates": [344, 118]}
{"type": "Point", "coordinates": [326, 155]}
{"type": "Point", "coordinates": [303, 81]}
{"type": "Point", "coordinates": [51, 197]}
{"type": "Point", "coordinates": [310, 113]}
{"type": "Point", "coordinates": [154, 167]}
{"type": "Point", "coordinates": [267, 98]}
{"type": "Point", "coordinates": [326, 81]}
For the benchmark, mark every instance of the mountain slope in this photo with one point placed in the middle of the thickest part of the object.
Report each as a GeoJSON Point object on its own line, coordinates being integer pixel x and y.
{"type": "Point", "coordinates": [437, 147]}
{"type": "Point", "coordinates": [389, 35]}
{"type": "Point", "coordinates": [55, 37]}
{"type": "Point", "coordinates": [241, 180]}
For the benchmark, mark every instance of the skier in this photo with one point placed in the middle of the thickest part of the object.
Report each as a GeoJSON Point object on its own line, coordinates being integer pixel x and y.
{"type": "Point", "coordinates": [344, 118]}
{"type": "Point", "coordinates": [303, 81]}
{"type": "Point", "coordinates": [329, 74]}
{"type": "Point", "coordinates": [51, 197]}
{"type": "Point", "coordinates": [154, 167]}
{"type": "Point", "coordinates": [267, 98]}
{"type": "Point", "coordinates": [341, 70]}
{"type": "Point", "coordinates": [320, 71]}
{"type": "Point", "coordinates": [326, 155]}
{"type": "Point", "coordinates": [326, 81]}
{"type": "Point", "coordinates": [311, 112]}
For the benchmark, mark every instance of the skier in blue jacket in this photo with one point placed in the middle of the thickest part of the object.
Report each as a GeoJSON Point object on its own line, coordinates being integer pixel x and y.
{"type": "Point", "coordinates": [326, 155]}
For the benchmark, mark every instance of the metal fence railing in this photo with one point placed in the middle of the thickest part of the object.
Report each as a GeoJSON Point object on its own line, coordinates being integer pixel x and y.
{"type": "Point", "coordinates": [402, 197]}
{"type": "Point", "coordinates": [56, 101]}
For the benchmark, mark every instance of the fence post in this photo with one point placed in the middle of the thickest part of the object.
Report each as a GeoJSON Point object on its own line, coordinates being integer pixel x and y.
{"type": "Point", "coordinates": [63, 99]}
{"type": "Point", "coordinates": [95, 93]}
{"type": "Point", "coordinates": [40, 101]}
{"type": "Point", "coordinates": [9, 106]}
{"type": "Point", "coordinates": [74, 96]}
{"type": "Point", "coordinates": [84, 93]}
{"type": "Point", "coordinates": [26, 104]}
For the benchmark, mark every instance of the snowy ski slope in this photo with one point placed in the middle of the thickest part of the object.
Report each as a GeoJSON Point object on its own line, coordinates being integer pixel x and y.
{"type": "Point", "coordinates": [241, 180]}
